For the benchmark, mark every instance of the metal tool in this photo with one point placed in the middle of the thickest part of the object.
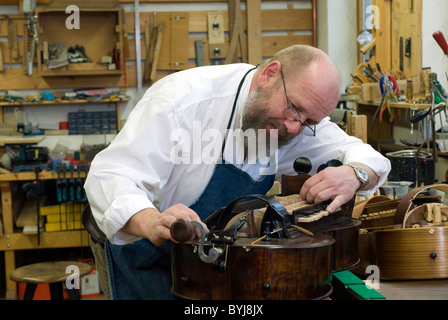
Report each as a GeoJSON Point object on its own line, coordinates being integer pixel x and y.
{"type": "Point", "coordinates": [389, 89]}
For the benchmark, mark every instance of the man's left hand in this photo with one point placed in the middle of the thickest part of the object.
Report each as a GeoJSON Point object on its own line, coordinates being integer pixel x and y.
{"type": "Point", "coordinates": [337, 183]}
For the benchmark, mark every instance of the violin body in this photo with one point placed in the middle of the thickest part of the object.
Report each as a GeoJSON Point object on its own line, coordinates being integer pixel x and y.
{"type": "Point", "coordinates": [284, 265]}
{"type": "Point", "coordinates": [264, 271]}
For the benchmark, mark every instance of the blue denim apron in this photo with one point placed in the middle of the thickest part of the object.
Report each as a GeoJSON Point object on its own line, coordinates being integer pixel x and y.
{"type": "Point", "coordinates": [143, 271]}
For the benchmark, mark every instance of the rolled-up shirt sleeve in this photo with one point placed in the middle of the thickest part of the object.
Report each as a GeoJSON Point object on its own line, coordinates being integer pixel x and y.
{"type": "Point", "coordinates": [123, 177]}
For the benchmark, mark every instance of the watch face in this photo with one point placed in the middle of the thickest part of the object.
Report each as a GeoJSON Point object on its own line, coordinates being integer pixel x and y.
{"type": "Point", "coordinates": [363, 175]}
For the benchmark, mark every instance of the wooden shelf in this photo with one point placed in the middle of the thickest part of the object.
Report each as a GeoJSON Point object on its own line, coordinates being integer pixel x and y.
{"type": "Point", "coordinates": [65, 72]}
{"type": "Point", "coordinates": [100, 33]}
{"type": "Point", "coordinates": [59, 102]}
{"type": "Point", "coordinates": [399, 105]}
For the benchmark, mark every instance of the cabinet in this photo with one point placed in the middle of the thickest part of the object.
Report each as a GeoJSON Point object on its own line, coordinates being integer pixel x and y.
{"type": "Point", "coordinates": [12, 239]}
{"type": "Point", "coordinates": [98, 31]}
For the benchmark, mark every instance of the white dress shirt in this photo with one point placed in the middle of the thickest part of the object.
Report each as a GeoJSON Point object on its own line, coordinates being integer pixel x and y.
{"type": "Point", "coordinates": [162, 156]}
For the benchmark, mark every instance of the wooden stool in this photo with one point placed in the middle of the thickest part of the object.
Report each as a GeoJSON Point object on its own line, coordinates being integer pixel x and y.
{"type": "Point", "coordinates": [53, 273]}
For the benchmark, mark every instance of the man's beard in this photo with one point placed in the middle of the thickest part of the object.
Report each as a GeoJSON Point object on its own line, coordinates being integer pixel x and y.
{"type": "Point", "coordinates": [254, 116]}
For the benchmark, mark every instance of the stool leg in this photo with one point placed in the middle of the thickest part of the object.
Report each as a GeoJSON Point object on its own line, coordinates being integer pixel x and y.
{"type": "Point", "coordinates": [74, 294]}
{"type": "Point", "coordinates": [29, 291]}
{"type": "Point", "coordinates": [56, 291]}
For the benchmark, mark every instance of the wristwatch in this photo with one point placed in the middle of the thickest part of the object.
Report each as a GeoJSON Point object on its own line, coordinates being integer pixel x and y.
{"type": "Point", "coordinates": [361, 174]}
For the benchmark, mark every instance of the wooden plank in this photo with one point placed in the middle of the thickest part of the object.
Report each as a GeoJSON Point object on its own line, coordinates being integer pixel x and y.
{"type": "Point", "coordinates": [179, 41]}
{"type": "Point", "coordinates": [357, 126]}
{"type": "Point", "coordinates": [10, 265]}
{"type": "Point", "coordinates": [7, 208]}
{"type": "Point", "coordinates": [160, 33]}
{"type": "Point", "coordinates": [383, 35]}
{"type": "Point", "coordinates": [292, 19]}
{"type": "Point", "coordinates": [407, 24]}
{"type": "Point", "coordinates": [28, 214]}
{"type": "Point", "coordinates": [216, 45]}
{"type": "Point", "coordinates": [254, 43]}
{"type": "Point", "coordinates": [62, 239]}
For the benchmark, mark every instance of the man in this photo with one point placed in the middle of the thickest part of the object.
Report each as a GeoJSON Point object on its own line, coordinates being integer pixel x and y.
{"type": "Point", "coordinates": [158, 168]}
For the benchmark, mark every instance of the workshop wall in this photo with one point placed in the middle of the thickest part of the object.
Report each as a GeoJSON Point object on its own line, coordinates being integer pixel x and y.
{"type": "Point", "coordinates": [294, 27]}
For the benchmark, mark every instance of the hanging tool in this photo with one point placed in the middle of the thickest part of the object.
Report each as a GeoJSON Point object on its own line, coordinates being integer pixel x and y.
{"type": "Point", "coordinates": [370, 73]}
{"type": "Point", "coordinates": [32, 27]}
{"type": "Point", "coordinates": [389, 90]}
{"type": "Point", "coordinates": [440, 38]}
{"type": "Point", "coordinates": [360, 75]}
{"type": "Point", "coordinates": [78, 182]}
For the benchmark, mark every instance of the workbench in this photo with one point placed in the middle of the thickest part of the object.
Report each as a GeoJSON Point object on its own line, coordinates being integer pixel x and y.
{"type": "Point", "coordinates": [12, 239]}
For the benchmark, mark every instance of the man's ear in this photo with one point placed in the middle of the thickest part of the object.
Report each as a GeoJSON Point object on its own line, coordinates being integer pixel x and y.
{"type": "Point", "coordinates": [270, 73]}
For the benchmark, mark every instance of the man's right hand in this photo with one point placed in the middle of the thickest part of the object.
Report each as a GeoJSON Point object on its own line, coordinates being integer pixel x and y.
{"type": "Point", "coordinates": [155, 226]}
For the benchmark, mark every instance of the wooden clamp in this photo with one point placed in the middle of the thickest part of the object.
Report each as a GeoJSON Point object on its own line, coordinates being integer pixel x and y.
{"type": "Point", "coordinates": [216, 45]}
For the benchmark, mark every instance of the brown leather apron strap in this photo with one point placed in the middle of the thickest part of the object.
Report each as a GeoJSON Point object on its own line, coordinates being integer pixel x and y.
{"type": "Point", "coordinates": [406, 201]}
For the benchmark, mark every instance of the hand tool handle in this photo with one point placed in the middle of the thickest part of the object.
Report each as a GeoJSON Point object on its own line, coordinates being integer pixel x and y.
{"type": "Point", "coordinates": [439, 37]}
{"type": "Point", "coordinates": [395, 84]}
{"type": "Point", "coordinates": [181, 230]}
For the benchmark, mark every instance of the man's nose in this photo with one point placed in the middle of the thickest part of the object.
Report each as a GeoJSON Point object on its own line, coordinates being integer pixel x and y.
{"type": "Point", "coordinates": [293, 127]}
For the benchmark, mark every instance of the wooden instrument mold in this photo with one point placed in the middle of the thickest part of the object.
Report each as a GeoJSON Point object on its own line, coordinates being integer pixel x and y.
{"type": "Point", "coordinates": [261, 249]}
{"type": "Point", "coordinates": [413, 245]}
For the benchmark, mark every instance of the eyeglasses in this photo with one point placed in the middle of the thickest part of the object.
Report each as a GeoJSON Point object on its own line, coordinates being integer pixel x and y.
{"type": "Point", "coordinates": [292, 114]}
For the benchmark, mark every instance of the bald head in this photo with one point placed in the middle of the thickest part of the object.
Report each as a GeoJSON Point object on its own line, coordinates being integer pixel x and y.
{"type": "Point", "coordinates": [308, 65]}
{"type": "Point", "coordinates": [297, 59]}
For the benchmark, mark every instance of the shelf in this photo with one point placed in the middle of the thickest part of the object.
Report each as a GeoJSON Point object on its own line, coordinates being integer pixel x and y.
{"type": "Point", "coordinates": [68, 72]}
{"type": "Point", "coordinates": [99, 33]}
{"type": "Point", "coordinates": [59, 102]}
{"type": "Point", "coordinates": [399, 105]}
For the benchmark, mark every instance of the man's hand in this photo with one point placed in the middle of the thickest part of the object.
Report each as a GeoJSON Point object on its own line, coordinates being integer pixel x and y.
{"type": "Point", "coordinates": [337, 183]}
{"type": "Point", "coordinates": [155, 226]}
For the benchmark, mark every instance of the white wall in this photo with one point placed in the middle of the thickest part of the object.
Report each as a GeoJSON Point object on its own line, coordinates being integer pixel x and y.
{"type": "Point", "coordinates": [337, 34]}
